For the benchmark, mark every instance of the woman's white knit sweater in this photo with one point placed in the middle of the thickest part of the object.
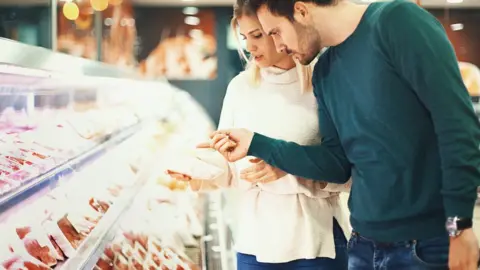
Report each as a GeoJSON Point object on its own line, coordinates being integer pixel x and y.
{"type": "Point", "coordinates": [290, 218]}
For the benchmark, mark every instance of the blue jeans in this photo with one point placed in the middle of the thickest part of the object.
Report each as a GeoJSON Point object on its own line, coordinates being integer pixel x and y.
{"type": "Point", "coordinates": [429, 254]}
{"type": "Point", "coordinates": [249, 262]}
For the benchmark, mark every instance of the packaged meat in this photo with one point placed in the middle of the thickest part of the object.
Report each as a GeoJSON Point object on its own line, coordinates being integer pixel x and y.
{"type": "Point", "coordinates": [132, 238]}
{"type": "Point", "coordinates": [149, 264]}
{"type": "Point", "coordinates": [74, 228]}
{"type": "Point", "coordinates": [39, 233]}
{"type": "Point", "coordinates": [42, 253]}
{"type": "Point", "coordinates": [99, 205]}
{"type": "Point", "coordinates": [8, 167]}
{"type": "Point", "coordinates": [104, 263]}
{"type": "Point", "coordinates": [127, 250]}
{"type": "Point", "coordinates": [14, 255]}
{"type": "Point", "coordinates": [120, 262]}
{"type": "Point", "coordinates": [38, 244]}
{"type": "Point", "coordinates": [134, 264]}
{"type": "Point", "coordinates": [193, 167]}
{"type": "Point", "coordinates": [65, 244]}
{"type": "Point", "coordinates": [6, 254]}
{"type": "Point", "coordinates": [140, 251]}
{"type": "Point", "coordinates": [58, 251]}
{"type": "Point", "coordinates": [19, 263]}
{"type": "Point", "coordinates": [6, 185]}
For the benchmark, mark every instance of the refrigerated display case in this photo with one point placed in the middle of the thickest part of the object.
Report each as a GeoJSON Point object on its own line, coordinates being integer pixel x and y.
{"type": "Point", "coordinates": [81, 177]}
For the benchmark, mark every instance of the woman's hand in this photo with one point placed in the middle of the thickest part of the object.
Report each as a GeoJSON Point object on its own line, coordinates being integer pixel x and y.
{"type": "Point", "coordinates": [261, 172]}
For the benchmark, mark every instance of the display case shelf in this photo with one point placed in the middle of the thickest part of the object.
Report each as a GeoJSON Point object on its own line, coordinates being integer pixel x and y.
{"type": "Point", "coordinates": [57, 109]}
{"type": "Point", "coordinates": [33, 186]}
{"type": "Point", "coordinates": [92, 248]}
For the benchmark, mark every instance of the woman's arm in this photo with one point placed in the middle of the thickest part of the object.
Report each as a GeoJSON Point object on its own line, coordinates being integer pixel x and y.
{"type": "Point", "coordinates": [330, 187]}
{"type": "Point", "coordinates": [213, 157]}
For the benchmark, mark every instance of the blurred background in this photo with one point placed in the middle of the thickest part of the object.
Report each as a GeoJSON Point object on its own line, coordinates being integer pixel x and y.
{"type": "Point", "coordinates": [202, 55]}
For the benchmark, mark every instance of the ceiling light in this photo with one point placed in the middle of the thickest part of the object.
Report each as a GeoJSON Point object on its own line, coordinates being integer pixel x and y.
{"type": "Point", "coordinates": [454, 1]}
{"type": "Point", "coordinates": [457, 26]}
{"type": "Point", "coordinates": [71, 11]}
{"type": "Point", "coordinates": [192, 20]}
{"type": "Point", "coordinates": [99, 5]}
{"type": "Point", "coordinates": [190, 11]}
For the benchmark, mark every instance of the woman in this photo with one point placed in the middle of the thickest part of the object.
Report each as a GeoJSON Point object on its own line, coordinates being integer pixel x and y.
{"type": "Point", "coordinates": [284, 222]}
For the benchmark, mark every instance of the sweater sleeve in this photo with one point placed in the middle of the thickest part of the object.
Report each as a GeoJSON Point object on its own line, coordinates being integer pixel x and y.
{"type": "Point", "coordinates": [324, 162]}
{"type": "Point", "coordinates": [339, 187]}
{"type": "Point", "coordinates": [421, 52]}
{"type": "Point", "coordinates": [226, 121]}
{"type": "Point", "coordinates": [228, 107]}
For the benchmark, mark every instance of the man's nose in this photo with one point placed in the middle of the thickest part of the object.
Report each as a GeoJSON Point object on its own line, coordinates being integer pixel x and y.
{"type": "Point", "coordinates": [279, 45]}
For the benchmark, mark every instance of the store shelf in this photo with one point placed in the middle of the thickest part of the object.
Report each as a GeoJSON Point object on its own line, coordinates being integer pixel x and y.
{"type": "Point", "coordinates": [218, 241]}
{"type": "Point", "coordinates": [92, 248]}
{"type": "Point", "coordinates": [52, 88]}
{"type": "Point", "coordinates": [51, 177]}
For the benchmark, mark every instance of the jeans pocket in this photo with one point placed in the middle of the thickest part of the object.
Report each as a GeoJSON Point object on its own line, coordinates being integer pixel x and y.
{"type": "Point", "coordinates": [432, 253]}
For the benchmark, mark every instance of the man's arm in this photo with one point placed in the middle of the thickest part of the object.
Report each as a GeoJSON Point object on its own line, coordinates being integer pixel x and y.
{"type": "Point", "coordinates": [325, 162]}
{"type": "Point", "coordinates": [421, 52]}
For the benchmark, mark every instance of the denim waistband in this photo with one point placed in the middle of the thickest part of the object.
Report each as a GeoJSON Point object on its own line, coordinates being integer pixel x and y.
{"type": "Point", "coordinates": [383, 244]}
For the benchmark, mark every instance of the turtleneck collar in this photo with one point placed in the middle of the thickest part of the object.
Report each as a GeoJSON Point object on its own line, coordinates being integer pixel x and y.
{"type": "Point", "coordinates": [279, 76]}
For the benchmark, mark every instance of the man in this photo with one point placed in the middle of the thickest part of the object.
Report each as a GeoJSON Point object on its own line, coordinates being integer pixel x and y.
{"type": "Point", "coordinates": [395, 114]}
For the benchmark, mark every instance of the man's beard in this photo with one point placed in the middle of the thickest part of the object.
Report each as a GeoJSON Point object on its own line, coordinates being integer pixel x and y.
{"type": "Point", "coordinates": [312, 51]}
{"type": "Point", "coordinates": [307, 59]}
{"type": "Point", "coordinates": [312, 39]}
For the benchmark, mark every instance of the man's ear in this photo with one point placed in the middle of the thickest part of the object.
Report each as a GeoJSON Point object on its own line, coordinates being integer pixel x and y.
{"type": "Point", "coordinates": [300, 9]}
{"type": "Point", "coordinates": [301, 12]}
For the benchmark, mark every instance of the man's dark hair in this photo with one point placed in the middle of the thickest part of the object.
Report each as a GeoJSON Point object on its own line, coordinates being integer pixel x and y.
{"type": "Point", "coordinates": [282, 8]}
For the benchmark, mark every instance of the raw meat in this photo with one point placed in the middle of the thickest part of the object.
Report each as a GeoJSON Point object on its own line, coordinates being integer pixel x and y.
{"type": "Point", "coordinates": [72, 235]}
{"type": "Point", "coordinates": [38, 244]}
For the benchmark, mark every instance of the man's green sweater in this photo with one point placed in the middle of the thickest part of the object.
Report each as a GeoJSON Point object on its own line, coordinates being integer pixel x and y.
{"type": "Point", "coordinates": [396, 116]}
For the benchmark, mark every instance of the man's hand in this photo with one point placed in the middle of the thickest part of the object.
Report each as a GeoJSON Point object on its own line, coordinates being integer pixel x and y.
{"type": "Point", "coordinates": [261, 172]}
{"type": "Point", "coordinates": [233, 144]}
{"type": "Point", "coordinates": [464, 251]}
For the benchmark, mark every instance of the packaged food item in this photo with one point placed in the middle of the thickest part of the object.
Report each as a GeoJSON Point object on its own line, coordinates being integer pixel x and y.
{"type": "Point", "coordinates": [99, 205]}
{"type": "Point", "coordinates": [69, 231]}
{"type": "Point", "coordinates": [6, 185]}
{"type": "Point", "coordinates": [14, 255]}
{"type": "Point", "coordinates": [74, 229]}
{"type": "Point", "coordinates": [38, 244]}
{"type": "Point", "coordinates": [193, 167]}
{"type": "Point", "coordinates": [127, 251]}
{"type": "Point", "coordinates": [120, 262]}
{"type": "Point", "coordinates": [135, 263]}
{"type": "Point", "coordinates": [104, 263]}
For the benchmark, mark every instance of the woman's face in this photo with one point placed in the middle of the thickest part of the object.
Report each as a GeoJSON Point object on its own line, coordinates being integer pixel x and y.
{"type": "Point", "coordinates": [259, 44]}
